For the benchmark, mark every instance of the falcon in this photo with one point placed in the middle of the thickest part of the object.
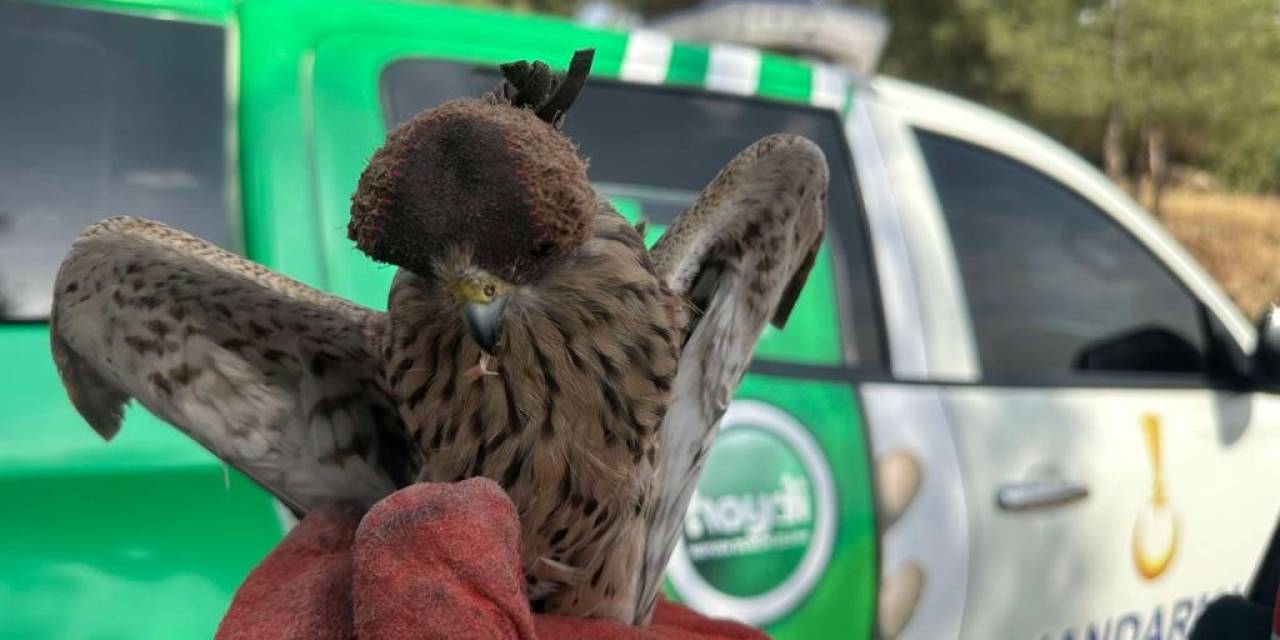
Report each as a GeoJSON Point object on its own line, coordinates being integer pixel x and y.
{"type": "Point", "coordinates": [529, 336]}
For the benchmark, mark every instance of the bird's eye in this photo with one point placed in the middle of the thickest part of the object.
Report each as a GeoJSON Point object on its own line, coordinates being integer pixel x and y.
{"type": "Point", "coordinates": [489, 290]}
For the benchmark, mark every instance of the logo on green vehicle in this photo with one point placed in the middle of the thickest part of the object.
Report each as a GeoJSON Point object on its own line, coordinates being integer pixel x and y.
{"type": "Point", "coordinates": [760, 526]}
{"type": "Point", "coordinates": [748, 525]}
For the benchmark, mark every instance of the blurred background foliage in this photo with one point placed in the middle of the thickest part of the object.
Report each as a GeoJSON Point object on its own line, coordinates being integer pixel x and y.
{"type": "Point", "coordinates": [1141, 87]}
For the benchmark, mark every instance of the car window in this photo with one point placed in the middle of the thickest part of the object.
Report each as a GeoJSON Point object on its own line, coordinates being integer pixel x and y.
{"type": "Point", "coordinates": [1053, 284]}
{"type": "Point", "coordinates": [102, 114]}
{"type": "Point", "coordinates": [652, 149]}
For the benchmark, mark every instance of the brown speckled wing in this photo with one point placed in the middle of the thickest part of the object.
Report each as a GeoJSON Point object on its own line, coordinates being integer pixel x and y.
{"type": "Point", "coordinates": [277, 379]}
{"type": "Point", "coordinates": [741, 255]}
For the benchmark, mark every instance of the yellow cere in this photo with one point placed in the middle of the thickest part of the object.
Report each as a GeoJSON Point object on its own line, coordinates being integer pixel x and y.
{"type": "Point", "coordinates": [481, 289]}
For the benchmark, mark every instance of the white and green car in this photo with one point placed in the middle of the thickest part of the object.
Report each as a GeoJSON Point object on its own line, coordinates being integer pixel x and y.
{"type": "Point", "coordinates": [1007, 405]}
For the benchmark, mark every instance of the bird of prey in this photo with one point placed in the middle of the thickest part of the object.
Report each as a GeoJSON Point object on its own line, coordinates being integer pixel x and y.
{"type": "Point", "coordinates": [529, 336]}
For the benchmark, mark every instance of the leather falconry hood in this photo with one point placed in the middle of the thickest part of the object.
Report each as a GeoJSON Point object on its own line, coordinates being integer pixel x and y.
{"type": "Point", "coordinates": [491, 175]}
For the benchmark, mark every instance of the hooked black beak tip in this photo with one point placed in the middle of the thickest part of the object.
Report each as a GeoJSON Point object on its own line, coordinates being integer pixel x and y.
{"type": "Point", "coordinates": [483, 320]}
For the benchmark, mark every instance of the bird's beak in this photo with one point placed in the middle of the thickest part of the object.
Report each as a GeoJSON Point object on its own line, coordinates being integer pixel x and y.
{"type": "Point", "coordinates": [483, 320]}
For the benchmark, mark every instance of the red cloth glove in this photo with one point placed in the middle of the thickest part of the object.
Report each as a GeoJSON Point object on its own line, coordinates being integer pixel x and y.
{"type": "Point", "coordinates": [429, 561]}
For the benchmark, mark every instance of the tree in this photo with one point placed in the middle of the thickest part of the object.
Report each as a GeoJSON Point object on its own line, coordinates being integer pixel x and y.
{"type": "Point", "coordinates": [1131, 84]}
{"type": "Point", "coordinates": [1172, 75]}
{"type": "Point", "coordinates": [943, 44]}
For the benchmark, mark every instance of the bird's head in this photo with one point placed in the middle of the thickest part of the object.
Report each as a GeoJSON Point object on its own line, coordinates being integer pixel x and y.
{"type": "Point", "coordinates": [481, 195]}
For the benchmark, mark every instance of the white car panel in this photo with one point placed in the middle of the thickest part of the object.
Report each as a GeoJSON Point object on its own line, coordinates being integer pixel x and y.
{"type": "Point", "coordinates": [908, 355]}
{"type": "Point", "coordinates": [951, 354]}
{"type": "Point", "coordinates": [647, 57]}
{"type": "Point", "coordinates": [830, 87]}
{"type": "Point", "coordinates": [733, 69]}
{"type": "Point", "coordinates": [932, 534]}
{"type": "Point", "coordinates": [1075, 567]}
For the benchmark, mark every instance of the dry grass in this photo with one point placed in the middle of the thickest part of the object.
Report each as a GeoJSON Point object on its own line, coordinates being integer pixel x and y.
{"type": "Point", "coordinates": [1235, 237]}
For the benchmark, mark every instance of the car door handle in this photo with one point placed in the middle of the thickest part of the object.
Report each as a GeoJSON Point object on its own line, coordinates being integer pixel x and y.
{"type": "Point", "coordinates": [1039, 494]}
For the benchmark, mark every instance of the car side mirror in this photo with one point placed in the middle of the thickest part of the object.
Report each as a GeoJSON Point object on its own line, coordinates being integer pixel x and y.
{"type": "Point", "coordinates": [1143, 349]}
{"type": "Point", "coordinates": [1266, 355]}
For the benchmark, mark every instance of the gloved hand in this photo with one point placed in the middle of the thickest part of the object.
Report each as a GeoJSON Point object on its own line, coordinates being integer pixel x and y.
{"type": "Point", "coordinates": [429, 561]}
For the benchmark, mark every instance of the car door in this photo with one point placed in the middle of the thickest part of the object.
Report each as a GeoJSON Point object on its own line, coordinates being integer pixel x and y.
{"type": "Point", "coordinates": [782, 531]}
{"type": "Point", "coordinates": [1116, 469]}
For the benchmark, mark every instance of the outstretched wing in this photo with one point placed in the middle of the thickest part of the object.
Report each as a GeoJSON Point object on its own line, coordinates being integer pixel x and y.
{"type": "Point", "coordinates": [741, 255]}
{"type": "Point", "coordinates": [277, 379]}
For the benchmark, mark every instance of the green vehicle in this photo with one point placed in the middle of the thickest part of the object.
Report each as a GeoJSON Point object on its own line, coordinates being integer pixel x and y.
{"type": "Point", "coordinates": [248, 123]}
